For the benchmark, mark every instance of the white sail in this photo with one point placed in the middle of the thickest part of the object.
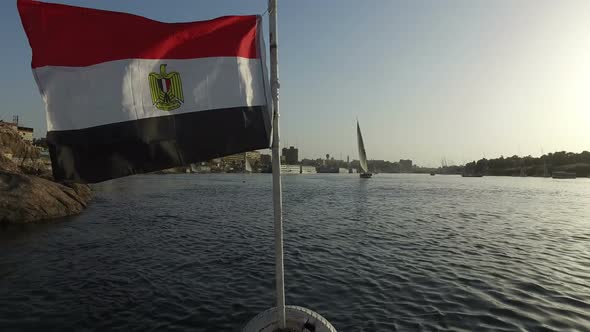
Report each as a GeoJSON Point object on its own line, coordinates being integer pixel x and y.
{"type": "Point", "coordinates": [545, 169]}
{"type": "Point", "coordinates": [362, 153]}
{"type": "Point", "coordinates": [247, 165]}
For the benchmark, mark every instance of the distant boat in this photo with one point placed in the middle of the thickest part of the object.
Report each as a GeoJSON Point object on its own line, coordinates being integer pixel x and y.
{"type": "Point", "coordinates": [471, 175]}
{"type": "Point", "coordinates": [327, 169]}
{"type": "Point", "coordinates": [432, 173]}
{"type": "Point", "coordinates": [307, 170]}
{"type": "Point", "coordinates": [564, 175]}
{"type": "Point", "coordinates": [545, 169]}
{"type": "Point", "coordinates": [290, 169]}
{"type": "Point", "coordinates": [522, 169]}
{"type": "Point", "coordinates": [469, 172]}
{"type": "Point", "coordinates": [362, 154]}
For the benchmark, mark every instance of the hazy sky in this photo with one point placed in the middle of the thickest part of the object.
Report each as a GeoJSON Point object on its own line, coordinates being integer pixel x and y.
{"type": "Point", "coordinates": [426, 79]}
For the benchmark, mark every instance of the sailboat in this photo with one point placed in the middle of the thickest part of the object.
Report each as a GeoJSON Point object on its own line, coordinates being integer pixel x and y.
{"type": "Point", "coordinates": [545, 169]}
{"type": "Point", "coordinates": [522, 169]}
{"type": "Point", "coordinates": [362, 154]}
{"type": "Point", "coordinates": [247, 165]}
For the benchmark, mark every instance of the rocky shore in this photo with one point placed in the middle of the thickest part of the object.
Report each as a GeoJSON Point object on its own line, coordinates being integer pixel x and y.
{"type": "Point", "coordinates": [27, 190]}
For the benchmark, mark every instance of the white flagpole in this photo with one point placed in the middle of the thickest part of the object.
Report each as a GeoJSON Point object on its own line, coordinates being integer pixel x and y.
{"type": "Point", "coordinates": [276, 165]}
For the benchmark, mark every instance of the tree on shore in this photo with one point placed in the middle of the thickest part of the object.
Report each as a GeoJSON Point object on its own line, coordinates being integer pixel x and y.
{"type": "Point", "coordinates": [533, 166]}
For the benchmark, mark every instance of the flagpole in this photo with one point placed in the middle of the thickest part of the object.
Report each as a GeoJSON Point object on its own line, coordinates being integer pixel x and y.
{"type": "Point", "coordinates": [276, 165]}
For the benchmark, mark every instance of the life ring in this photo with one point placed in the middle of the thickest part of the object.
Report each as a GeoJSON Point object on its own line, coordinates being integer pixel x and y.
{"type": "Point", "coordinates": [298, 319]}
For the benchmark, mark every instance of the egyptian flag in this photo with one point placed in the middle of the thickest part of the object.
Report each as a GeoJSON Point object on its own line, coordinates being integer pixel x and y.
{"type": "Point", "coordinates": [125, 94]}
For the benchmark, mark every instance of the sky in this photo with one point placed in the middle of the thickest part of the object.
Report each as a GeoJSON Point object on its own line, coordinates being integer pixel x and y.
{"type": "Point", "coordinates": [427, 79]}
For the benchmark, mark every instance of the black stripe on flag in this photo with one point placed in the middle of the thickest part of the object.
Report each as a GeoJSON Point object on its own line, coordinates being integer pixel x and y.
{"type": "Point", "coordinates": [109, 151]}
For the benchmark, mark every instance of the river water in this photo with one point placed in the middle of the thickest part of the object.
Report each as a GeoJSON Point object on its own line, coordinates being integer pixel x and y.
{"type": "Point", "coordinates": [396, 252]}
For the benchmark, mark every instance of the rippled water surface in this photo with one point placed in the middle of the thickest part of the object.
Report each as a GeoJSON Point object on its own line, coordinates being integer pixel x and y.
{"type": "Point", "coordinates": [396, 252]}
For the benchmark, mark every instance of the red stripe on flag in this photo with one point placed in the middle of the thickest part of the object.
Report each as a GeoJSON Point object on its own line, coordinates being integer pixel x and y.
{"type": "Point", "coordinates": [62, 35]}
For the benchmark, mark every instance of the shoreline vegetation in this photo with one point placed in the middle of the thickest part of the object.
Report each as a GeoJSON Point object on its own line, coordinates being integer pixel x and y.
{"type": "Point", "coordinates": [27, 190]}
{"type": "Point", "coordinates": [543, 166]}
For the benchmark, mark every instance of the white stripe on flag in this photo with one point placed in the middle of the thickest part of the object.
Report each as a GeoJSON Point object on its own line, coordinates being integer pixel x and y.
{"type": "Point", "coordinates": [164, 85]}
{"type": "Point", "coordinates": [77, 97]}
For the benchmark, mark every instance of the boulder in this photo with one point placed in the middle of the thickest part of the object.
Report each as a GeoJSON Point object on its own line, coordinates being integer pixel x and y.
{"type": "Point", "coordinates": [25, 199]}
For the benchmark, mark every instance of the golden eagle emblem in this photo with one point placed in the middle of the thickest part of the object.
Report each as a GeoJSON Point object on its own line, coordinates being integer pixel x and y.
{"type": "Point", "coordinates": [166, 89]}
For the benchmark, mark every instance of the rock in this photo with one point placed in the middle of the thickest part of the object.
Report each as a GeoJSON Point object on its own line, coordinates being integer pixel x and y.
{"type": "Point", "coordinates": [27, 192]}
{"type": "Point", "coordinates": [7, 165]}
{"type": "Point", "coordinates": [25, 199]}
{"type": "Point", "coordinates": [11, 142]}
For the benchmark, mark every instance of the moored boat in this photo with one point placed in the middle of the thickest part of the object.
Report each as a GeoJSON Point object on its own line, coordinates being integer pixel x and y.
{"type": "Point", "coordinates": [467, 174]}
{"type": "Point", "coordinates": [563, 175]}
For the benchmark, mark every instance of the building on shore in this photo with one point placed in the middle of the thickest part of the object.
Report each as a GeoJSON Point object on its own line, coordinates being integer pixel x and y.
{"type": "Point", "coordinates": [405, 165]}
{"type": "Point", "coordinates": [291, 155]}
